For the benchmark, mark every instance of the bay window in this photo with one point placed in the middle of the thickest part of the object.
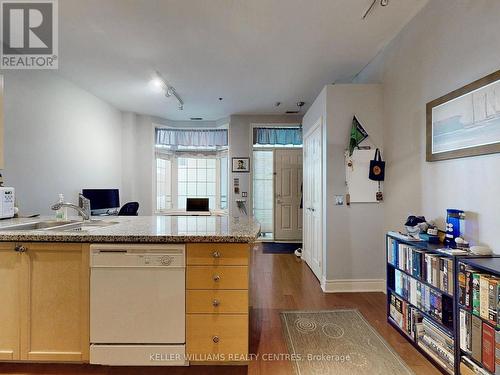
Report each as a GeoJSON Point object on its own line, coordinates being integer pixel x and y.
{"type": "Point", "coordinates": [191, 163]}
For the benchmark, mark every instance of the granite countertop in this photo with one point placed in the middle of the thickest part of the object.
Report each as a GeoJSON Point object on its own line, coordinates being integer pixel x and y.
{"type": "Point", "coordinates": [141, 229]}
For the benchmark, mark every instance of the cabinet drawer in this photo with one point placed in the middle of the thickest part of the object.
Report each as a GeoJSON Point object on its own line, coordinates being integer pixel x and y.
{"type": "Point", "coordinates": [223, 254]}
{"type": "Point", "coordinates": [215, 337]}
{"type": "Point", "coordinates": [217, 301]}
{"type": "Point", "coordinates": [217, 277]}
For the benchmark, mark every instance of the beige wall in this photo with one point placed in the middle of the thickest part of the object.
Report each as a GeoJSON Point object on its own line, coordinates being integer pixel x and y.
{"type": "Point", "coordinates": [58, 138]}
{"type": "Point", "coordinates": [450, 43]}
{"type": "Point", "coordinates": [353, 236]}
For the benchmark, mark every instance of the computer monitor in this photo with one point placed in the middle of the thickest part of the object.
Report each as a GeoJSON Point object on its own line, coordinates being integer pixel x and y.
{"type": "Point", "coordinates": [103, 201]}
{"type": "Point", "coordinates": [197, 204]}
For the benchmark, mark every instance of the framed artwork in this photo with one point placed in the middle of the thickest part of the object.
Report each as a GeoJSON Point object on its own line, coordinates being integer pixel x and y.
{"type": "Point", "coordinates": [465, 122]}
{"type": "Point", "coordinates": [241, 165]}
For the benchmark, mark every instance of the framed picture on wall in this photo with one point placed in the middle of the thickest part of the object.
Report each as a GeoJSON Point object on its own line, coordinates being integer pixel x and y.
{"type": "Point", "coordinates": [465, 122]}
{"type": "Point", "coordinates": [241, 165]}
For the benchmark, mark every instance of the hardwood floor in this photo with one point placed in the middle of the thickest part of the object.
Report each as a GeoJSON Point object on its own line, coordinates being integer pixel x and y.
{"type": "Point", "coordinates": [278, 282]}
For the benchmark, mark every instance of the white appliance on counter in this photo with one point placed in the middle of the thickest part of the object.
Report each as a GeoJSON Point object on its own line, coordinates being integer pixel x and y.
{"type": "Point", "coordinates": [7, 200]}
{"type": "Point", "coordinates": [137, 305]}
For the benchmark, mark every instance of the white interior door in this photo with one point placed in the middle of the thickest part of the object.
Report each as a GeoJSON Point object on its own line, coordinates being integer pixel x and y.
{"type": "Point", "coordinates": [288, 193]}
{"type": "Point", "coordinates": [312, 251]}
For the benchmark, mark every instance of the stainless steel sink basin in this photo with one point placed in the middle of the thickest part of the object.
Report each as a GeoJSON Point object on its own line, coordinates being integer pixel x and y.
{"type": "Point", "coordinates": [38, 225]}
{"type": "Point", "coordinates": [60, 226]}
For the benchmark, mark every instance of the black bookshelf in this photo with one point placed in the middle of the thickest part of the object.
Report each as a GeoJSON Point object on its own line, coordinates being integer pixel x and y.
{"type": "Point", "coordinates": [451, 329]}
{"type": "Point", "coordinates": [490, 266]}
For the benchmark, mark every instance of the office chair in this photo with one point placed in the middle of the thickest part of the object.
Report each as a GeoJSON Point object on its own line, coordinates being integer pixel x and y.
{"type": "Point", "coordinates": [129, 209]}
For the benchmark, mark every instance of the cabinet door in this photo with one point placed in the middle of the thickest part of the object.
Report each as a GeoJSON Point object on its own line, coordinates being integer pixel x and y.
{"type": "Point", "coordinates": [55, 323]}
{"type": "Point", "coordinates": [10, 277]}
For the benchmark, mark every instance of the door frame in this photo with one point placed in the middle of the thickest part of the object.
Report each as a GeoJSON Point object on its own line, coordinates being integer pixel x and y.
{"type": "Point", "coordinates": [251, 148]}
{"type": "Point", "coordinates": [318, 124]}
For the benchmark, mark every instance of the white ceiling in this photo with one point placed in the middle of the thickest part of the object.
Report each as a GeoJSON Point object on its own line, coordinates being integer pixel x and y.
{"type": "Point", "coordinates": [252, 53]}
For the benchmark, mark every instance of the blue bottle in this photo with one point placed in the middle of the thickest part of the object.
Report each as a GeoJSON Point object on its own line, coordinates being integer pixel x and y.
{"type": "Point", "coordinates": [454, 226]}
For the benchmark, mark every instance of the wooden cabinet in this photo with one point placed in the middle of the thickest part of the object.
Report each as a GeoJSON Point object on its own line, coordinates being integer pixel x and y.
{"type": "Point", "coordinates": [48, 310]}
{"type": "Point", "coordinates": [10, 307]}
{"type": "Point", "coordinates": [217, 302]}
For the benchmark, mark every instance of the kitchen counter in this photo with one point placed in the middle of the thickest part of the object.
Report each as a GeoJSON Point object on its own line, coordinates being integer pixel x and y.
{"type": "Point", "coordinates": [142, 229]}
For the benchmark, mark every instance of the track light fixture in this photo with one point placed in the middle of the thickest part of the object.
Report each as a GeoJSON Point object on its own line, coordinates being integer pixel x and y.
{"type": "Point", "coordinates": [159, 83]}
{"type": "Point", "coordinates": [383, 3]}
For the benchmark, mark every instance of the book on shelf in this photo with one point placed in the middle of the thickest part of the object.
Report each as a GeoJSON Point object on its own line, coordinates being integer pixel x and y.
{"type": "Point", "coordinates": [468, 367]}
{"type": "Point", "coordinates": [476, 338]}
{"type": "Point", "coordinates": [488, 347]}
{"type": "Point", "coordinates": [465, 331]}
{"type": "Point", "coordinates": [404, 315]}
{"type": "Point", "coordinates": [480, 341]}
{"type": "Point", "coordinates": [497, 352]}
{"type": "Point", "coordinates": [436, 342]}
{"type": "Point", "coordinates": [480, 293]}
{"type": "Point", "coordinates": [433, 269]}
{"type": "Point", "coordinates": [424, 298]}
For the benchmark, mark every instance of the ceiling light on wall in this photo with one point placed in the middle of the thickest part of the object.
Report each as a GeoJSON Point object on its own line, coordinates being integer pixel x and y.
{"type": "Point", "coordinates": [160, 84]}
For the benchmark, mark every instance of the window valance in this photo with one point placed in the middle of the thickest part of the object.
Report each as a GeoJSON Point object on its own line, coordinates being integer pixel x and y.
{"type": "Point", "coordinates": [277, 136]}
{"type": "Point", "coordinates": [191, 137]}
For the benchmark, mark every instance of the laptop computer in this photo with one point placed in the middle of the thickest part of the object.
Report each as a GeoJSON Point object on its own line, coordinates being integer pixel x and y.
{"type": "Point", "coordinates": [197, 206]}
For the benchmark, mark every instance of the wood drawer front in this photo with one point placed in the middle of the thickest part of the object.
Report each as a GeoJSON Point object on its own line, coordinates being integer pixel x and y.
{"type": "Point", "coordinates": [222, 254]}
{"type": "Point", "coordinates": [217, 277]}
{"type": "Point", "coordinates": [217, 301]}
{"type": "Point", "coordinates": [223, 335]}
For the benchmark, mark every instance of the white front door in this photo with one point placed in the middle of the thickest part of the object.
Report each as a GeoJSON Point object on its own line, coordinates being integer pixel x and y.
{"type": "Point", "coordinates": [312, 251]}
{"type": "Point", "coordinates": [288, 194]}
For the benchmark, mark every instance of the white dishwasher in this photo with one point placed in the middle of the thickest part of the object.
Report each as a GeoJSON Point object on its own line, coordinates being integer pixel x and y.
{"type": "Point", "coordinates": [137, 305]}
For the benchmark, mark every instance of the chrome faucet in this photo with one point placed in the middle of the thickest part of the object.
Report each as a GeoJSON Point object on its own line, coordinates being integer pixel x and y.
{"type": "Point", "coordinates": [83, 209]}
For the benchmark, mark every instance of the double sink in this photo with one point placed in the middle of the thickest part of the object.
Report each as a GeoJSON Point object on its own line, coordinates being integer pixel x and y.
{"type": "Point", "coordinates": [60, 226]}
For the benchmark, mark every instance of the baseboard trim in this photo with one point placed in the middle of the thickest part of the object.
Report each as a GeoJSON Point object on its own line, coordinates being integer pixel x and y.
{"type": "Point", "coordinates": [352, 285]}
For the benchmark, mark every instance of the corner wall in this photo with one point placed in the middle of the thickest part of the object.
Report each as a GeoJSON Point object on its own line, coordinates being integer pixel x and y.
{"type": "Point", "coordinates": [353, 236]}
{"type": "Point", "coordinates": [446, 46]}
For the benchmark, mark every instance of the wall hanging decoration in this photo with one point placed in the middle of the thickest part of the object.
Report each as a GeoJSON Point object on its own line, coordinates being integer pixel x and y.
{"type": "Point", "coordinates": [465, 122]}
{"type": "Point", "coordinates": [377, 167]}
{"type": "Point", "coordinates": [241, 165]}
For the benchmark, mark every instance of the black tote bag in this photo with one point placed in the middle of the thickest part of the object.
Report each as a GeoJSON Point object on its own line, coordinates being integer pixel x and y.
{"type": "Point", "coordinates": [377, 167]}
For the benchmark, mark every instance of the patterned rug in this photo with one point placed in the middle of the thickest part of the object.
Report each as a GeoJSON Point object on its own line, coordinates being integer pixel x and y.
{"type": "Point", "coordinates": [337, 342]}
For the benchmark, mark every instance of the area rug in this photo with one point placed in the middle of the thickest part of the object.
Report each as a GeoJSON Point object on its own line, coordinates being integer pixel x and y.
{"type": "Point", "coordinates": [337, 342]}
{"type": "Point", "coordinates": [279, 247]}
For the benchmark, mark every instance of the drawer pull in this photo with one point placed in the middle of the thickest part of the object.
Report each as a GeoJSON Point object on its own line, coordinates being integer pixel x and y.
{"type": "Point", "coordinates": [216, 278]}
{"type": "Point", "coordinates": [215, 339]}
{"type": "Point", "coordinates": [216, 254]}
{"type": "Point", "coordinates": [215, 303]}
{"type": "Point", "coordinates": [20, 249]}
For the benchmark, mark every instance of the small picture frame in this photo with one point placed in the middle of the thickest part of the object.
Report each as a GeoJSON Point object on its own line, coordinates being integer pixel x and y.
{"type": "Point", "coordinates": [241, 165]}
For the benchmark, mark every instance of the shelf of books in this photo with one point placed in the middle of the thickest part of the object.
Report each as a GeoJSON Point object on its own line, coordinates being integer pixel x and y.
{"type": "Point", "coordinates": [479, 315]}
{"type": "Point", "coordinates": [420, 290]}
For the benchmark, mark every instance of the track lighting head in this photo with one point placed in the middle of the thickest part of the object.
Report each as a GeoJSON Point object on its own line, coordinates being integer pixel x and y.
{"type": "Point", "coordinates": [159, 84]}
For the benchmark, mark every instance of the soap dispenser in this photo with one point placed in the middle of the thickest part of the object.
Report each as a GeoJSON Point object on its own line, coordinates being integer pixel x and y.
{"type": "Point", "coordinates": [62, 213]}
